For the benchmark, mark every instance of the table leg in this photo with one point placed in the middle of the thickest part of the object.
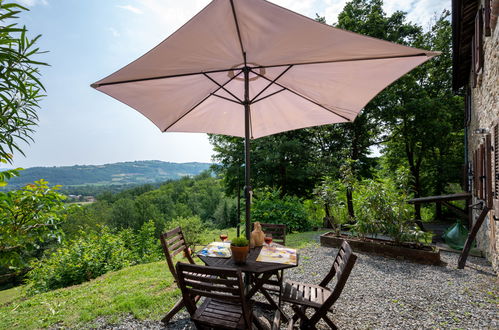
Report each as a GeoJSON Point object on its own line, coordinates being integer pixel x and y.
{"type": "Point", "coordinates": [259, 282]}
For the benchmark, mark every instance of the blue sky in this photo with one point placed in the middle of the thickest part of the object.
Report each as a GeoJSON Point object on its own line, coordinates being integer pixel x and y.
{"type": "Point", "coordinates": [89, 39]}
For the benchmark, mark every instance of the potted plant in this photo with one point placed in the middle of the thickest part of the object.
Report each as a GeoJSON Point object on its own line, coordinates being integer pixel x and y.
{"type": "Point", "coordinates": [240, 249]}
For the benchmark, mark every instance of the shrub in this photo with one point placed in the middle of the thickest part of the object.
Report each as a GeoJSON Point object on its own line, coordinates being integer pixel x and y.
{"type": "Point", "coordinates": [270, 207]}
{"type": "Point", "coordinates": [192, 227]}
{"type": "Point", "coordinates": [79, 260]}
{"type": "Point", "coordinates": [225, 215]}
{"type": "Point", "coordinates": [144, 245]}
{"type": "Point", "coordinates": [382, 208]}
{"type": "Point", "coordinates": [331, 194]}
{"type": "Point", "coordinates": [30, 220]}
{"type": "Point", "coordinates": [315, 212]}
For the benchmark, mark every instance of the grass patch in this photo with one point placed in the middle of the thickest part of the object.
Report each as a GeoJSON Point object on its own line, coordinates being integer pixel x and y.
{"type": "Point", "coordinates": [303, 240]}
{"type": "Point", "coordinates": [6, 296]}
{"type": "Point", "coordinates": [144, 291]}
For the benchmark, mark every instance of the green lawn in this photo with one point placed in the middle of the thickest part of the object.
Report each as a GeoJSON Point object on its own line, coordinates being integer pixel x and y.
{"type": "Point", "coordinates": [145, 291]}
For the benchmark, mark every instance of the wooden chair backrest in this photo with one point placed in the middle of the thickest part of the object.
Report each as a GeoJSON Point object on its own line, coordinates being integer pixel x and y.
{"type": "Point", "coordinates": [173, 243]}
{"type": "Point", "coordinates": [222, 284]}
{"type": "Point", "coordinates": [341, 268]}
{"type": "Point", "coordinates": [278, 232]}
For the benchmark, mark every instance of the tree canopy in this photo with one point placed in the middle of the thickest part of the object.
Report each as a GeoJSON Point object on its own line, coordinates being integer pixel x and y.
{"type": "Point", "coordinates": [415, 123]}
{"type": "Point", "coordinates": [20, 86]}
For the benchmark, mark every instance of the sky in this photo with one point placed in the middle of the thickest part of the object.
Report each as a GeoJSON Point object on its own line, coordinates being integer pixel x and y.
{"type": "Point", "coordinates": [87, 40]}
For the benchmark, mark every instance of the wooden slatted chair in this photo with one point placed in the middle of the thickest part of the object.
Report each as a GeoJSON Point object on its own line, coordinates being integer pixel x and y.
{"type": "Point", "coordinates": [278, 232]}
{"type": "Point", "coordinates": [319, 297]}
{"type": "Point", "coordinates": [173, 243]}
{"type": "Point", "coordinates": [224, 306]}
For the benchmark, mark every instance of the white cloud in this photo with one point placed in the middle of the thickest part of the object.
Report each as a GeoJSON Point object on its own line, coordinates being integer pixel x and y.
{"type": "Point", "coordinates": [130, 8]}
{"type": "Point", "coordinates": [333, 9]}
{"type": "Point", "coordinates": [114, 32]}
{"type": "Point", "coordinates": [304, 7]}
{"type": "Point", "coordinates": [32, 3]}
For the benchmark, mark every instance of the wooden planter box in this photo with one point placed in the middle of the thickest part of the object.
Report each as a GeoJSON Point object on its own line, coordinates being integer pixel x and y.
{"type": "Point", "coordinates": [426, 255]}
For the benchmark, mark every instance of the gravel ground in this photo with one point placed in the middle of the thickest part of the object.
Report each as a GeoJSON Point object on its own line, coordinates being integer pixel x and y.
{"type": "Point", "coordinates": [383, 293]}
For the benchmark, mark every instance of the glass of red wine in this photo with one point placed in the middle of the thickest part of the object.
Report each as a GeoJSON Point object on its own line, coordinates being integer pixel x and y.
{"type": "Point", "coordinates": [268, 239]}
{"type": "Point", "coordinates": [224, 237]}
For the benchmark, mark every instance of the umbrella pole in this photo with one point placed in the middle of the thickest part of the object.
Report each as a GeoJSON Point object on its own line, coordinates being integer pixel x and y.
{"type": "Point", "coordinates": [247, 162]}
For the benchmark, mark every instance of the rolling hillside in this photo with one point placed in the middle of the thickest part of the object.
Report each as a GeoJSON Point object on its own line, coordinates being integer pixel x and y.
{"type": "Point", "coordinates": [128, 173]}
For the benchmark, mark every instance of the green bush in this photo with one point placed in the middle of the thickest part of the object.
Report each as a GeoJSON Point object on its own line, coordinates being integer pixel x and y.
{"type": "Point", "coordinates": [331, 194]}
{"type": "Point", "coordinates": [225, 215]}
{"type": "Point", "coordinates": [144, 244]}
{"type": "Point", "coordinates": [30, 221]}
{"type": "Point", "coordinates": [315, 212]}
{"type": "Point", "coordinates": [192, 227]}
{"type": "Point", "coordinates": [383, 209]}
{"type": "Point", "coordinates": [80, 260]}
{"type": "Point", "coordinates": [270, 207]}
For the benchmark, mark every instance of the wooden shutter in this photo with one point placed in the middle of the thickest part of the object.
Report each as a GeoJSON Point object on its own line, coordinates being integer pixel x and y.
{"type": "Point", "coordinates": [474, 75]}
{"type": "Point", "coordinates": [486, 17]}
{"type": "Point", "coordinates": [495, 146]}
{"type": "Point", "coordinates": [475, 173]}
{"type": "Point", "coordinates": [478, 46]}
{"type": "Point", "coordinates": [467, 110]}
{"type": "Point", "coordinates": [487, 171]}
{"type": "Point", "coordinates": [481, 154]}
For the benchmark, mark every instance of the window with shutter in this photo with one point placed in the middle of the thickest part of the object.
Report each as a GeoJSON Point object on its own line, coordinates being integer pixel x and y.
{"type": "Point", "coordinates": [481, 156]}
{"type": "Point", "coordinates": [475, 173]}
{"type": "Point", "coordinates": [486, 18]}
{"type": "Point", "coordinates": [474, 76]}
{"type": "Point", "coordinates": [487, 172]}
{"type": "Point", "coordinates": [478, 37]}
{"type": "Point", "coordinates": [495, 146]}
{"type": "Point", "coordinates": [467, 113]}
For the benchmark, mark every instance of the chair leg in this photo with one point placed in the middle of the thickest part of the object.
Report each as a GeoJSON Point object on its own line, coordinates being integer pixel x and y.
{"type": "Point", "coordinates": [300, 314]}
{"type": "Point", "coordinates": [272, 302]}
{"type": "Point", "coordinates": [176, 308]}
{"type": "Point", "coordinates": [257, 323]}
{"type": "Point", "coordinates": [329, 322]}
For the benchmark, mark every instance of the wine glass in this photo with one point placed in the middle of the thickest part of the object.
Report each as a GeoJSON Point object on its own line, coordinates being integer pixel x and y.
{"type": "Point", "coordinates": [268, 239]}
{"type": "Point", "coordinates": [223, 237]}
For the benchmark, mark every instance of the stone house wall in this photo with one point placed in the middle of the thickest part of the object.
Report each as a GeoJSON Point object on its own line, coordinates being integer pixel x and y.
{"type": "Point", "coordinates": [485, 115]}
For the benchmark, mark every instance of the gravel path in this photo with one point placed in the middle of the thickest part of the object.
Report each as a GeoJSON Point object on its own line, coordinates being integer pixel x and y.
{"type": "Point", "coordinates": [383, 293]}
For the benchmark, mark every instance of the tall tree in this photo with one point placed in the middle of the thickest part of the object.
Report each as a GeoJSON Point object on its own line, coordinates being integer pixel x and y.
{"type": "Point", "coordinates": [425, 118]}
{"type": "Point", "coordinates": [20, 87]}
{"type": "Point", "coordinates": [368, 18]}
{"type": "Point", "coordinates": [30, 217]}
{"type": "Point", "coordinates": [280, 161]}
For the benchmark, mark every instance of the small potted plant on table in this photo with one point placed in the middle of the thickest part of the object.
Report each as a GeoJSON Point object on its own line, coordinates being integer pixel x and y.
{"type": "Point", "coordinates": [240, 249]}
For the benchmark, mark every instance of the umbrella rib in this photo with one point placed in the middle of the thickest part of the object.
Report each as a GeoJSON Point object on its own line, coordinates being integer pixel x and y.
{"type": "Point", "coordinates": [303, 97]}
{"type": "Point", "coordinates": [269, 95]}
{"type": "Point", "coordinates": [222, 87]}
{"type": "Point", "coordinates": [95, 85]}
{"type": "Point", "coordinates": [225, 98]}
{"type": "Point", "coordinates": [238, 31]}
{"type": "Point", "coordinates": [341, 60]}
{"type": "Point", "coordinates": [271, 83]}
{"type": "Point", "coordinates": [204, 99]}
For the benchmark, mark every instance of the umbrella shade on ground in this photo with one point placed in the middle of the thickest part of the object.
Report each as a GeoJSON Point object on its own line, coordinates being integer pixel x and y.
{"type": "Point", "coordinates": [250, 68]}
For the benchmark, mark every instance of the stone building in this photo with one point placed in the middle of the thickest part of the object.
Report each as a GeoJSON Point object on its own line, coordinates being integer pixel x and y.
{"type": "Point", "coordinates": [476, 73]}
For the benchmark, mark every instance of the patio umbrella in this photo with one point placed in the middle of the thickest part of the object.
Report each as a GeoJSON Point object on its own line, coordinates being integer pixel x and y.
{"type": "Point", "coordinates": [250, 68]}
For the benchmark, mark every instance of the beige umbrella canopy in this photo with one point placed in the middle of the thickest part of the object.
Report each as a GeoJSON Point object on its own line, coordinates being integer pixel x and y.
{"type": "Point", "coordinates": [250, 68]}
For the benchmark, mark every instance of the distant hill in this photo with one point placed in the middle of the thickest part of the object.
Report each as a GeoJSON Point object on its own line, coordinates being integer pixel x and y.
{"type": "Point", "coordinates": [123, 174]}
